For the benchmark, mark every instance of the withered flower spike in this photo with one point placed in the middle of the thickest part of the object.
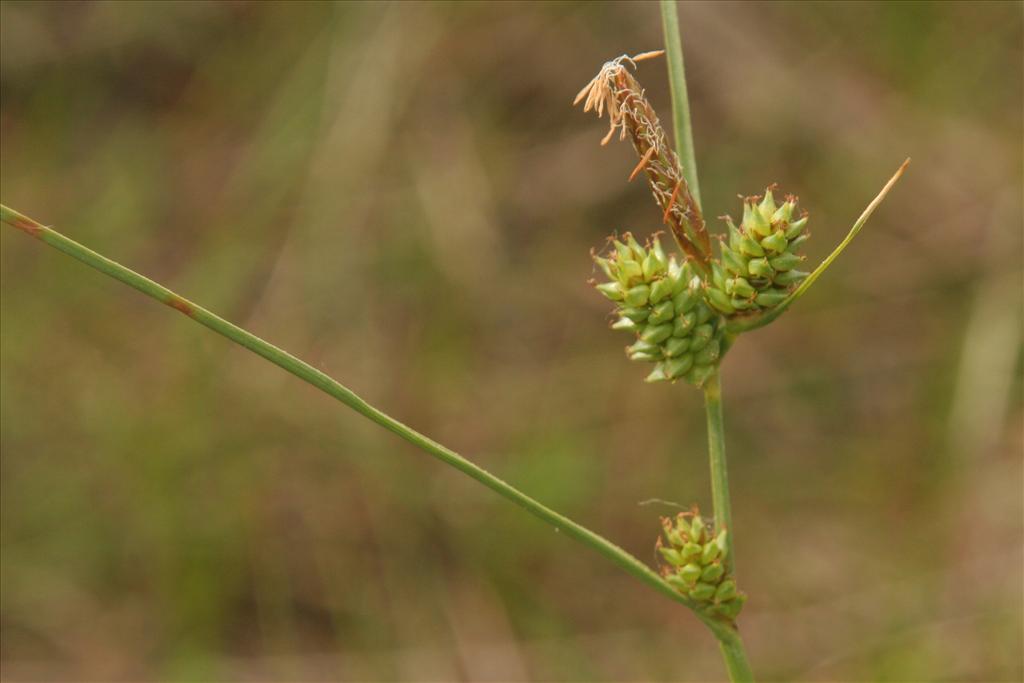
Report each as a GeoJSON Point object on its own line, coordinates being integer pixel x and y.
{"type": "Point", "coordinates": [630, 112]}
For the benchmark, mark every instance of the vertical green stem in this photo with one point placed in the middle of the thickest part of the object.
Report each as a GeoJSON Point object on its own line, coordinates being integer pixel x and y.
{"type": "Point", "coordinates": [716, 458]}
{"type": "Point", "coordinates": [729, 642]}
{"type": "Point", "coordinates": [684, 145]}
{"type": "Point", "coordinates": [681, 127]}
{"type": "Point", "coordinates": [735, 659]}
{"type": "Point", "coordinates": [732, 648]}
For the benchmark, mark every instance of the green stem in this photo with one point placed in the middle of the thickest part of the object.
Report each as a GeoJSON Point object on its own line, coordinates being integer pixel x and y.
{"type": "Point", "coordinates": [716, 457]}
{"type": "Point", "coordinates": [732, 647]}
{"type": "Point", "coordinates": [681, 126]}
{"type": "Point", "coordinates": [331, 387]}
{"type": "Point", "coordinates": [735, 659]}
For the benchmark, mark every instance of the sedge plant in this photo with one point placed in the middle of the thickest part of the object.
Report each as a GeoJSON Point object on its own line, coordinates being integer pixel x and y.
{"type": "Point", "coordinates": [684, 311]}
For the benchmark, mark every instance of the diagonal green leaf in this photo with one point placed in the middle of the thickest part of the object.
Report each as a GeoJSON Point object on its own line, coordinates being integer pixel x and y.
{"type": "Point", "coordinates": [307, 373]}
{"type": "Point", "coordinates": [745, 324]}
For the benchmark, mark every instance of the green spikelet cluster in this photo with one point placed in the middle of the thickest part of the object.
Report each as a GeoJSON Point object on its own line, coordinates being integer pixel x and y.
{"type": "Point", "coordinates": [758, 268]}
{"type": "Point", "coordinates": [697, 565]}
{"type": "Point", "coordinates": [663, 303]}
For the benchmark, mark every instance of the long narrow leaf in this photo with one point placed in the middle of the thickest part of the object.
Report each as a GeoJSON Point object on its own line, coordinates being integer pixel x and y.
{"type": "Point", "coordinates": [332, 387]}
{"type": "Point", "coordinates": [738, 325]}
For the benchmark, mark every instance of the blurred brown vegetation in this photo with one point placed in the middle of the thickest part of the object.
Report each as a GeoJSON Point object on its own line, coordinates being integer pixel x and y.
{"type": "Point", "coordinates": [402, 195]}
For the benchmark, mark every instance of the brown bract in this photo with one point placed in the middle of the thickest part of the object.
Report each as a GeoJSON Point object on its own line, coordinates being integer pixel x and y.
{"type": "Point", "coordinates": [629, 112]}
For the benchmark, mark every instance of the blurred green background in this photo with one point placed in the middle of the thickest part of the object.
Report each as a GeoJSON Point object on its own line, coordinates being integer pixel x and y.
{"type": "Point", "coordinates": [402, 195]}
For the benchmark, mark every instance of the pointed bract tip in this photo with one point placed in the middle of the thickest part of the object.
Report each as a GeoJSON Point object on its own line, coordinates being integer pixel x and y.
{"type": "Point", "coordinates": [647, 55]}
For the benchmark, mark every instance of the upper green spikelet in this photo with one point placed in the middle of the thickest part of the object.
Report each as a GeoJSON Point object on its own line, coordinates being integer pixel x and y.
{"type": "Point", "coordinates": [759, 264]}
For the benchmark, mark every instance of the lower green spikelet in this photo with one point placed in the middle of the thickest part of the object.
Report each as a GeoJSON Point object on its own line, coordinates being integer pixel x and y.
{"type": "Point", "coordinates": [664, 304]}
{"type": "Point", "coordinates": [698, 566]}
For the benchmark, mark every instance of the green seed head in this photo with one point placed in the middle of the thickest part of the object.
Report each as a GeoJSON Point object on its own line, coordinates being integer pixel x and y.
{"type": "Point", "coordinates": [759, 258]}
{"type": "Point", "coordinates": [697, 567]}
{"type": "Point", "coordinates": [676, 318]}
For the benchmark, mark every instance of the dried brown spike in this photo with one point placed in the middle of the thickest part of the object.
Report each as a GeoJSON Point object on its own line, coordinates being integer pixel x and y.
{"type": "Point", "coordinates": [630, 113]}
